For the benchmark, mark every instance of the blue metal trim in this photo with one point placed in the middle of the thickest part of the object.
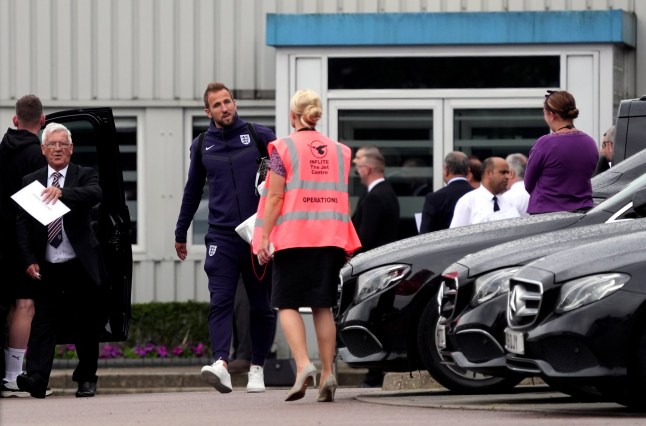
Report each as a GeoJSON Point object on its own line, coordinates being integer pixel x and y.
{"type": "Point", "coordinates": [473, 28]}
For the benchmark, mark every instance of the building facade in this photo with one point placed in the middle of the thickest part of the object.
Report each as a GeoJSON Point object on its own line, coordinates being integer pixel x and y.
{"type": "Point", "coordinates": [418, 78]}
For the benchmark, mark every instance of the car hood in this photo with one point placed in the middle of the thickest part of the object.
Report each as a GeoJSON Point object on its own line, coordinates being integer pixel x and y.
{"type": "Point", "coordinates": [521, 251]}
{"type": "Point", "coordinates": [436, 250]}
{"type": "Point", "coordinates": [601, 256]}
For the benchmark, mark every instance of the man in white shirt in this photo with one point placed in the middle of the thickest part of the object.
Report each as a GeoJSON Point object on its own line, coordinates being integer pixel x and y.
{"type": "Point", "coordinates": [516, 193]}
{"type": "Point", "coordinates": [485, 203]}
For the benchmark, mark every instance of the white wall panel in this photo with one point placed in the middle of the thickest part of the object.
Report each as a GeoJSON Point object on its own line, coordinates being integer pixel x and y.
{"type": "Point", "coordinates": [582, 74]}
{"type": "Point", "coordinates": [83, 59]}
{"type": "Point", "coordinates": [103, 49]}
{"type": "Point", "coordinates": [143, 55]}
{"type": "Point", "coordinates": [185, 52]}
{"type": "Point", "coordinates": [123, 59]}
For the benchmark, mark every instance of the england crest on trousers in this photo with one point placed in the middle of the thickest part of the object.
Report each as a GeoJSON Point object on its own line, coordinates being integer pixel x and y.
{"type": "Point", "coordinates": [212, 250]}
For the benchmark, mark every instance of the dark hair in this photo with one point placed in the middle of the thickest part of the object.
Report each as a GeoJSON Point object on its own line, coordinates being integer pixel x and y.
{"type": "Point", "coordinates": [216, 86]}
{"type": "Point", "coordinates": [457, 163]}
{"type": "Point", "coordinates": [561, 103]}
{"type": "Point", "coordinates": [29, 109]}
{"type": "Point", "coordinates": [475, 167]}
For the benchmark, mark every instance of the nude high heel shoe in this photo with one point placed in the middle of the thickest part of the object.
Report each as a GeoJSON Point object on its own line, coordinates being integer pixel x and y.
{"type": "Point", "coordinates": [306, 378]}
{"type": "Point", "coordinates": [326, 394]}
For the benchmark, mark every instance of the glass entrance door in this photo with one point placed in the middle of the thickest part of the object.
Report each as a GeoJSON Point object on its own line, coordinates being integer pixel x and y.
{"type": "Point", "coordinates": [406, 133]}
{"type": "Point", "coordinates": [415, 134]}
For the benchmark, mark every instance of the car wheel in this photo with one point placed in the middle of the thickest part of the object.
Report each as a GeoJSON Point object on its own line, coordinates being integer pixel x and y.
{"type": "Point", "coordinates": [453, 377]}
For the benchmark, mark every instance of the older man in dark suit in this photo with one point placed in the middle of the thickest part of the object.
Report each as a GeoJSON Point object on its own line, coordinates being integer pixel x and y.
{"type": "Point", "coordinates": [438, 206]}
{"type": "Point", "coordinates": [64, 258]}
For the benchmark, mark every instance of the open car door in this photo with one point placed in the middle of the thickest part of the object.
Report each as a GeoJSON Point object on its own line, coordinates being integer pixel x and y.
{"type": "Point", "coordinates": [96, 145]}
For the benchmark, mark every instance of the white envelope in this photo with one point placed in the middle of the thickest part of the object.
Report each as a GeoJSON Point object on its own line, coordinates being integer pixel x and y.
{"type": "Point", "coordinates": [29, 198]}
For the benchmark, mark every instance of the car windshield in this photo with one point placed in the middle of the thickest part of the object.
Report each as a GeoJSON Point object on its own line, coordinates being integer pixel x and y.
{"type": "Point", "coordinates": [623, 197]}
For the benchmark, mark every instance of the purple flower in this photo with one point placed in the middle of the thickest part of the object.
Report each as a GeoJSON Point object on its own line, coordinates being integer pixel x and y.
{"type": "Point", "coordinates": [178, 351]}
{"type": "Point", "coordinates": [110, 351]}
{"type": "Point", "coordinates": [162, 352]}
{"type": "Point", "coordinates": [199, 349]}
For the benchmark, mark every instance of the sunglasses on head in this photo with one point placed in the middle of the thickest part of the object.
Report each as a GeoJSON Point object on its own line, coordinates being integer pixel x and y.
{"type": "Point", "coordinates": [550, 92]}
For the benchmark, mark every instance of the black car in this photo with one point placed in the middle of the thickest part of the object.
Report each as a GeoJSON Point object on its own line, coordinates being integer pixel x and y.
{"type": "Point", "coordinates": [470, 330]}
{"type": "Point", "coordinates": [388, 306]}
{"type": "Point", "coordinates": [580, 316]}
{"type": "Point", "coordinates": [96, 145]}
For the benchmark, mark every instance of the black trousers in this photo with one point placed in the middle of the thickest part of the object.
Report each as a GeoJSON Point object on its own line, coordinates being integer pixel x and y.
{"type": "Point", "coordinates": [67, 307]}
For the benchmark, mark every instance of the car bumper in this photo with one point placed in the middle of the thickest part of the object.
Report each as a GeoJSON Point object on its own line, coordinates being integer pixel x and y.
{"type": "Point", "coordinates": [590, 342]}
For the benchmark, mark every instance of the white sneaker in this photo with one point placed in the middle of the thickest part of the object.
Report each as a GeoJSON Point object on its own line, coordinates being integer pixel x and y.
{"type": "Point", "coordinates": [256, 379]}
{"type": "Point", "coordinates": [10, 390]}
{"type": "Point", "coordinates": [217, 376]}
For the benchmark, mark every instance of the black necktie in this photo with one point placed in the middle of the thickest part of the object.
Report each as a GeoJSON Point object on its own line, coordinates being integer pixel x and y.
{"type": "Point", "coordinates": [496, 207]}
{"type": "Point", "coordinates": [55, 228]}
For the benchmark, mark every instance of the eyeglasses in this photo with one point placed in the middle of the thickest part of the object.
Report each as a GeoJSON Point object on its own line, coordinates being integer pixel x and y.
{"type": "Point", "coordinates": [61, 145]}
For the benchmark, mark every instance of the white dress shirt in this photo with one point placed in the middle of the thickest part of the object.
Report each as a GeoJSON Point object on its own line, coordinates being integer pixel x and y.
{"type": "Point", "coordinates": [518, 197]}
{"type": "Point", "coordinates": [477, 207]}
{"type": "Point", "coordinates": [64, 251]}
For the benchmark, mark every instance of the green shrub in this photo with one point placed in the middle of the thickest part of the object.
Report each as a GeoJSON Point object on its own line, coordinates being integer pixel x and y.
{"type": "Point", "coordinates": [159, 330]}
{"type": "Point", "coordinates": [170, 324]}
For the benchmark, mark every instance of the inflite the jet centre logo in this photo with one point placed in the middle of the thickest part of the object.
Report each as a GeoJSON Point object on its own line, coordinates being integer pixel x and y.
{"type": "Point", "coordinates": [318, 149]}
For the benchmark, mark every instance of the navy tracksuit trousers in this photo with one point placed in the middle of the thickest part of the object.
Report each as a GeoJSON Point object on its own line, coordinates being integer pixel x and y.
{"type": "Point", "coordinates": [227, 257]}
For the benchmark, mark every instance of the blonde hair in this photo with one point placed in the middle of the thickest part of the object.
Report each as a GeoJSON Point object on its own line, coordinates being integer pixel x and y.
{"type": "Point", "coordinates": [306, 104]}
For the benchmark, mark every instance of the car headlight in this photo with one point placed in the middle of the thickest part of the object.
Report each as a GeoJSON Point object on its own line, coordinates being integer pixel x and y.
{"type": "Point", "coordinates": [379, 279]}
{"type": "Point", "coordinates": [492, 284]}
{"type": "Point", "coordinates": [586, 290]}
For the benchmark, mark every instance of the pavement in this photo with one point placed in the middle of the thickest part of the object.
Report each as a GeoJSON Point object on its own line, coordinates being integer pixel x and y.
{"type": "Point", "coordinates": [415, 389]}
{"type": "Point", "coordinates": [147, 377]}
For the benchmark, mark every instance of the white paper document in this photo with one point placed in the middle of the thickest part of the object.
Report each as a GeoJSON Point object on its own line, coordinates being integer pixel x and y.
{"type": "Point", "coordinates": [30, 199]}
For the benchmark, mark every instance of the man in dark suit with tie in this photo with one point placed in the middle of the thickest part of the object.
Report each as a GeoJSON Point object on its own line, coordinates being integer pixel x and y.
{"type": "Point", "coordinates": [376, 217]}
{"type": "Point", "coordinates": [65, 261]}
{"type": "Point", "coordinates": [438, 206]}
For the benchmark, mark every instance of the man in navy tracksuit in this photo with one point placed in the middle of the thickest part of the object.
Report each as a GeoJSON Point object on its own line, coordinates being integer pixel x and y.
{"type": "Point", "coordinates": [227, 159]}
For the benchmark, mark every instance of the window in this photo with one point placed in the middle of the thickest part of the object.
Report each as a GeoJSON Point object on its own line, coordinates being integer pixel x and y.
{"type": "Point", "coordinates": [487, 132]}
{"type": "Point", "coordinates": [127, 135]}
{"type": "Point", "coordinates": [405, 138]}
{"type": "Point", "coordinates": [473, 72]}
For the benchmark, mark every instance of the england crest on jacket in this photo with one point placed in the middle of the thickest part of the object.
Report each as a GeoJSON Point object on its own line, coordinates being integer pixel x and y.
{"type": "Point", "coordinates": [245, 139]}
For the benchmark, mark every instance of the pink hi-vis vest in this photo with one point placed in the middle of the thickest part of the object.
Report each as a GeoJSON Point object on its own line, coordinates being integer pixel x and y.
{"type": "Point", "coordinates": [316, 206]}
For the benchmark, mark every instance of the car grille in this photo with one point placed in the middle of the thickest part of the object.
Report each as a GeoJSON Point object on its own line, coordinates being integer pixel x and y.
{"type": "Point", "coordinates": [360, 342]}
{"type": "Point", "coordinates": [567, 355]}
{"type": "Point", "coordinates": [479, 346]}
{"type": "Point", "coordinates": [524, 302]}
{"type": "Point", "coordinates": [448, 297]}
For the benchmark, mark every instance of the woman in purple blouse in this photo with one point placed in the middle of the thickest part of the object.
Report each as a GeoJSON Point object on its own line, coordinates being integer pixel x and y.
{"type": "Point", "coordinates": [561, 164]}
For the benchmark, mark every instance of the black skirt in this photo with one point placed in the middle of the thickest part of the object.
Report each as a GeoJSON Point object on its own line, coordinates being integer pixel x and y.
{"type": "Point", "coordinates": [306, 277]}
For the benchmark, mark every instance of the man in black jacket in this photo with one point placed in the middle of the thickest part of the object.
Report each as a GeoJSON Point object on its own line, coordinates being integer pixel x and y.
{"type": "Point", "coordinates": [439, 205]}
{"type": "Point", "coordinates": [20, 154]}
{"type": "Point", "coordinates": [63, 261]}
{"type": "Point", "coordinates": [376, 217]}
